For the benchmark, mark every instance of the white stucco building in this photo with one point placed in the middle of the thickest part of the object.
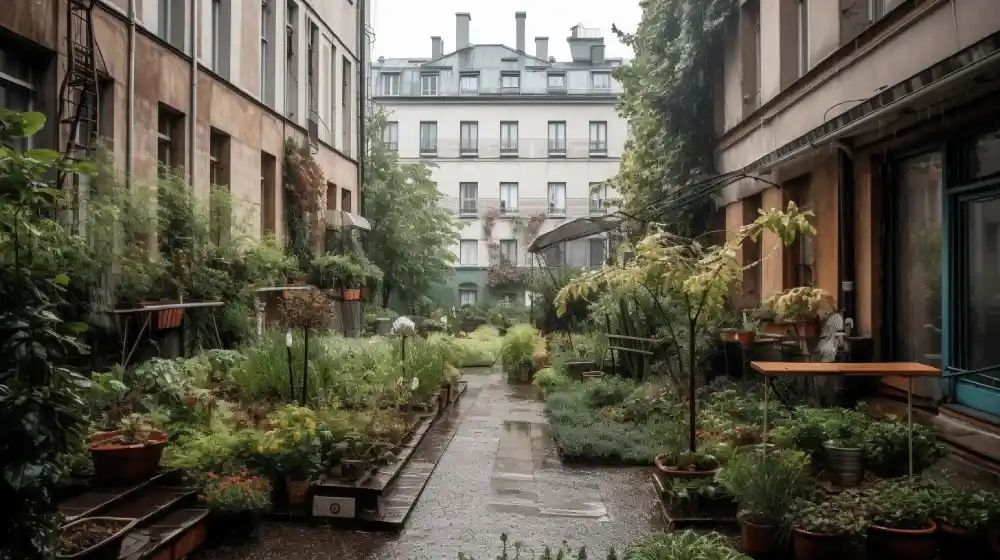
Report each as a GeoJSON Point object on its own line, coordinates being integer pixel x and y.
{"type": "Point", "coordinates": [512, 133]}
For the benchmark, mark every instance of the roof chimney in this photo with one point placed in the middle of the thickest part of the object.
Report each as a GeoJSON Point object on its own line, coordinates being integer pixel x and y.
{"type": "Point", "coordinates": [597, 54]}
{"type": "Point", "coordinates": [519, 19]}
{"type": "Point", "coordinates": [437, 48]}
{"type": "Point", "coordinates": [462, 20]}
{"type": "Point", "coordinates": [542, 48]}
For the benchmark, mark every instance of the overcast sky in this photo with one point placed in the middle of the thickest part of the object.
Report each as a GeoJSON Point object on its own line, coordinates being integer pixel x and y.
{"type": "Point", "coordinates": [403, 28]}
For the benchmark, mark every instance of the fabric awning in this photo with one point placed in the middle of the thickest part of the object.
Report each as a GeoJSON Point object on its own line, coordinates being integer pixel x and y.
{"type": "Point", "coordinates": [578, 228]}
{"type": "Point", "coordinates": [342, 219]}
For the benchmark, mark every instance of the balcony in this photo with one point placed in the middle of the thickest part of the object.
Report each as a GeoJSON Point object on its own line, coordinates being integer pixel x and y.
{"type": "Point", "coordinates": [428, 150]}
{"type": "Point", "coordinates": [468, 149]}
{"type": "Point", "coordinates": [508, 148]}
{"type": "Point", "coordinates": [468, 207]}
{"type": "Point", "coordinates": [598, 149]}
{"type": "Point", "coordinates": [557, 148]}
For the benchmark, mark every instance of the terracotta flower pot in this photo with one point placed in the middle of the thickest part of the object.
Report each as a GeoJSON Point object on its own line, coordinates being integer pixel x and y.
{"type": "Point", "coordinates": [353, 294]}
{"type": "Point", "coordinates": [960, 543]}
{"type": "Point", "coordinates": [759, 541]}
{"type": "Point", "coordinates": [298, 491]}
{"type": "Point", "coordinates": [165, 318]}
{"type": "Point", "coordinates": [746, 338]}
{"type": "Point", "coordinates": [912, 544]}
{"type": "Point", "coordinates": [116, 464]}
{"type": "Point", "coordinates": [727, 335]}
{"type": "Point", "coordinates": [669, 472]}
{"type": "Point", "coordinates": [817, 546]}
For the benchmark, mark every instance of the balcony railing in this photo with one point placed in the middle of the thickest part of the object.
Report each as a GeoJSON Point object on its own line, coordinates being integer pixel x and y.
{"type": "Point", "coordinates": [557, 147]}
{"type": "Point", "coordinates": [523, 147]}
{"type": "Point", "coordinates": [598, 148]}
{"type": "Point", "coordinates": [597, 206]}
{"type": "Point", "coordinates": [575, 207]}
{"type": "Point", "coordinates": [469, 207]}
{"type": "Point", "coordinates": [428, 149]}
{"type": "Point", "coordinates": [391, 146]}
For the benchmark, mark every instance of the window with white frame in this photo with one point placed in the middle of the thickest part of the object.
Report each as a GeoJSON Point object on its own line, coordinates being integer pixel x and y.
{"type": "Point", "coordinates": [597, 197]}
{"type": "Point", "coordinates": [598, 138]}
{"type": "Point", "coordinates": [469, 133]}
{"type": "Point", "coordinates": [556, 81]}
{"type": "Point", "coordinates": [390, 84]}
{"type": "Point", "coordinates": [601, 80]}
{"type": "Point", "coordinates": [508, 139]}
{"type": "Point", "coordinates": [428, 138]}
{"type": "Point", "coordinates": [469, 84]}
{"type": "Point", "coordinates": [468, 294]}
{"type": "Point", "coordinates": [390, 136]}
{"type": "Point", "coordinates": [508, 251]}
{"type": "Point", "coordinates": [468, 198]}
{"type": "Point", "coordinates": [428, 84]}
{"type": "Point", "coordinates": [510, 83]}
{"type": "Point", "coordinates": [508, 198]}
{"type": "Point", "coordinates": [557, 199]}
{"type": "Point", "coordinates": [557, 138]}
{"type": "Point", "coordinates": [469, 252]}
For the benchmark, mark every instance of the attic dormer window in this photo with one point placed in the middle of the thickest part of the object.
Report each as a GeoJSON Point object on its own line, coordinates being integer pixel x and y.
{"type": "Point", "coordinates": [557, 81]}
{"type": "Point", "coordinates": [428, 84]}
{"type": "Point", "coordinates": [469, 84]}
{"type": "Point", "coordinates": [390, 84]}
{"type": "Point", "coordinates": [602, 80]}
{"type": "Point", "coordinates": [510, 83]}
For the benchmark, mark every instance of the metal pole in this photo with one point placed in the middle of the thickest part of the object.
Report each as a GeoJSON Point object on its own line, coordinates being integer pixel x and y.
{"type": "Point", "coordinates": [305, 369]}
{"type": "Point", "coordinates": [291, 374]}
{"type": "Point", "coordinates": [764, 434]}
{"type": "Point", "coordinates": [909, 420]}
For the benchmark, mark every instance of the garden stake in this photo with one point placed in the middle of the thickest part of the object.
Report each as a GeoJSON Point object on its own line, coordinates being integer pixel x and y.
{"type": "Point", "coordinates": [291, 375]}
{"type": "Point", "coordinates": [305, 369]}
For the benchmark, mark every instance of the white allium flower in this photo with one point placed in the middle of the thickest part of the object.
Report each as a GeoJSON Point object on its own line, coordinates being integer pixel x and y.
{"type": "Point", "coordinates": [403, 326]}
{"type": "Point", "coordinates": [415, 383]}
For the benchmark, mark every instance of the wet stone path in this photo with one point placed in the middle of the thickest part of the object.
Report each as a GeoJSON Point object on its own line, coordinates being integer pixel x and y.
{"type": "Point", "coordinates": [500, 474]}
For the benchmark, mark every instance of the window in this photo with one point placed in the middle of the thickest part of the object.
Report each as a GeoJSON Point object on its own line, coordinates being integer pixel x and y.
{"type": "Point", "coordinates": [292, 65]}
{"type": "Point", "coordinates": [216, 35]}
{"type": "Point", "coordinates": [557, 199]}
{"type": "Point", "coordinates": [597, 197]}
{"type": "Point", "coordinates": [508, 198]}
{"type": "Point", "coordinates": [469, 252]}
{"type": "Point", "coordinates": [220, 210]}
{"type": "Point", "coordinates": [876, 9]}
{"type": "Point", "coordinates": [602, 80]}
{"type": "Point", "coordinates": [508, 251]}
{"type": "Point", "coordinates": [312, 72]}
{"type": "Point", "coordinates": [333, 95]}
{"type": "Point", "coordinates": [469, 84]}
{"type": "Point", "coordinates": [598, 253]}
{"type": "Point", "coordinates": [468, 198]}
{"type": "Point", "coordinates": [510, 83]}
{"type": "Point", "coordinates": [428, 138]}
{"type": "Point", "coordinates": [345, 200]}
{"type": "Point", "coordinates": [345, 100]}
{"type": "Point", "coordinates": [390, 136]}
{"type": "Point", "coordinates": [555, 256]}
{"type": "Point", "coordinates": [508, 139]}
{"type": "Point", "coordinates": [18, 86]}
{"type": "Point", "coordinates": [803, 37]}
{"type": "Point", "coordinates": [468, 294]}
{"type": "Point", "coordinates": [164, 16]}
{"type": "Point", "coordinates": [749, 44]}
{"type": "Point", "coordinates": [331, 195]}
{"type": "Point", "coordinates": [470, 138]}
{"type": "Point", "coordinates": [266, 53]}
{"type": "Point", "coordinates": [598, 138]}
{"type": "Point", "coordinates": [268, 175]}
{"type": "Point", "coordinates": [170, 139]}
{"type": "Point", "coordinates": [390, 84]}
{"type": "Point", "coordinates": [428, 84]}
{"type": "Point", "coordinates": [557, 81]}
{"type": "Point", "coordinates": [557, 138]}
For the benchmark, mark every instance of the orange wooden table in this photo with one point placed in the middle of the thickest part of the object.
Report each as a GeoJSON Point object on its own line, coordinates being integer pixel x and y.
{"type": "Point", "coordinates": [909, 370]}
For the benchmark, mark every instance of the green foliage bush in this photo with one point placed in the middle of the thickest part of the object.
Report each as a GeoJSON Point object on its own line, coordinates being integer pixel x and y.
{"type": "Point", "coordinates": [519, 346]}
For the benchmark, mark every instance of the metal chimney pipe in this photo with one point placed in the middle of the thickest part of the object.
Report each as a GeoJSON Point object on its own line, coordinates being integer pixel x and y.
{"type": "Point", "coordinates": [462, 20]}
{"type": "Point", "coordinates": [542, 48]}
{"type": "Point", "coordinates": [519, 18]}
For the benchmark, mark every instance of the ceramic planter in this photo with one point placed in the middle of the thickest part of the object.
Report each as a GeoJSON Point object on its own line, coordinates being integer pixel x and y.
{"type": "Point", "coordinates": [817, 546]}
{"type": "Point", "coordinates": [846, 464]}
{"type": "Point", "coordinates": [667, 472]}
{"type": "Point", "coordinates": [116, 464]}
{"type": "Point", "coordinates": [912, 544]}
{"type": "Point", "coordinates": [297, 491]}
{"type": "Point", "coordinates": [759, 541]}
{"type": "Point", "coordinates": [109, 548]}
{"type": "Point", "coordinates": [959, 543]}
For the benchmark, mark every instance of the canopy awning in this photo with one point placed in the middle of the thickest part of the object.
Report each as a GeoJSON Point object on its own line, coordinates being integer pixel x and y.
{"type": "Point", "coordinates": [578, 228]}
{"type": "Point", "coordinates": [342, 219]}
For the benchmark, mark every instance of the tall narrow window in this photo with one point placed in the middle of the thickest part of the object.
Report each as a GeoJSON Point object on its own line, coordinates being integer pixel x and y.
{"type": "Point", "coordinates": [346, 200]}
{"type": "Point", "coordinates": [292, 64]}
{"type": "Point", "coordinates": [557, 138]}
{"type": "Point", "coordinates": [170, 139]}
{"type": "Point", "coordinates": [508, 198]}
{"type": "Point", "coordinates": [469, 249]}
{"type": "Point", "coordinates": [267, 42]}
{"type": "Point", "coordinates": [390, 84]}
{"type": "Point", "coordinates": [508, 251]}
{"type": "Point", "coordinates": [597, 197]}
{"type": "Point", "coordinates": [216, 33]}
{"type": "Point", "coordinates": [346, 101]}
{"type": "Point", "coordinates": [312, 72]}
{"type": "Point", "coordinates": [428, 84]}
{"type": "Point", "coordinates": [163, 15]}
{"type": "Point", "coordinates": [390, 136]}
{"type": "Point", "coordinates": [268, 178]}
{"type": "Point", "coordinates": [803, 37]}
{"type": "Point", "coordinates": [468, 199]}
{"type": "Point", "coordinates": [428, 138]}
{"type": "Point", "coordinates": [469, 132]}
{"type": "Point", "coordinates": [557, 199]}
{"type": "Point", "coordinates": [220, 208]}
{"type": "Point", "coordinates": [331, 195]}
{"type": "Point", "coordinates": [508, 139]}
{"type": "Point", "coordinates": [876, 9]}
{"type": "Point", "coordinates": [598, 138]}
{"type": "Point", "coordinates": [598, 252]}
{"type": "Point", "coordinates": [333, 94]}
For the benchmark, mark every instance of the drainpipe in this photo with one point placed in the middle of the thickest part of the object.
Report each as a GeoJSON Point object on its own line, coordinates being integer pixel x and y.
{"type": "Point", "coordinates": [193, 121]}
{"type": "Point", "coordinates": [362, 91]}
{"type": "Point", "coordinates": [845, 226]}
{"type": "Point", "coordinates": [130, 97]}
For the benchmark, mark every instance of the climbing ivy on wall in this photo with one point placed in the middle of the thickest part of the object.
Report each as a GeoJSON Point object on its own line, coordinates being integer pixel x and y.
{"type": "Point", "coordinates": [668, 102]}
{"type": "Point", "coordinates": [306, 188]}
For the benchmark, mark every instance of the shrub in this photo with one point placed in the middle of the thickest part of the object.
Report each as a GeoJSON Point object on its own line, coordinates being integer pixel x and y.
{"type": "Point", "coordinates": [684, 546]}
{"type": "Point", "coordinates": [237, 493]}
{"type": "Point", "coordinates": [608, 391]}
{"type": "Point", "coordinates": [886, 446]}
{"type": "Point", "coordinates": [518, 346]}
{"type": "Point", "coordinates": [767, 483]}
{"type": "Point", "coordinates": [548, 379]}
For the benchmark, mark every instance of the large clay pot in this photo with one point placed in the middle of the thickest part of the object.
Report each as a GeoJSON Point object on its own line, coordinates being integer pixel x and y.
{"type": "Point", "coordinates": [912, 544]}
{"type": "Point", "coordinates": [117, 465]}
{"type": "Point", "coordinates": [298, 491]}
{"type": "Point", "coordinates": [759, 541]}
{"type": "Point", "coordinates": [959, 543]}
{"type": "Point", "coordinates": [667, 472]}
{"type": "Point", "coordinates": [817, 546]}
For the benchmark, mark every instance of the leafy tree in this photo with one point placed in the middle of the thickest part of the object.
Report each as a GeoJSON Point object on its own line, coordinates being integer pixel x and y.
{"type": "Point", "coordinates": [412, 234]}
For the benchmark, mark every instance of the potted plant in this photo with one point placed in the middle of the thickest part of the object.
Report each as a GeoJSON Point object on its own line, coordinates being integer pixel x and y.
{"type": "Point", "coordinates": [94, 538]}
{"type": "Point", "coordinates": [886, 446]}
{"type": "Point", "coordinates": [518, 350]}
{"type": "Point", "coordinates": [965, 518]}
{"type": "Point", "coordinates": [296, 448]}
{"type": "Point", "coordinates": [747, 332]}
{"type": "Point", "coordinates": [356, 458]}
{"type": "Point", "coordinates": [687, 464]}
{"type": "Point", "coordinates": [798, 309]}
{"type": "Point", "coordinates": [765, 484]}
{"type": "Point", "coordinates": [900, 521]}
{"type": "Point", "coordinates": [236, 502]}
{"type": "Point", "coordinates": [130, 454]}
{"type": "Point", "coordinates": [820, 531]}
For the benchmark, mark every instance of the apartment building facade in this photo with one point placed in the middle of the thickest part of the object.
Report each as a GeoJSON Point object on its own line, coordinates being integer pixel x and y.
{"type": "Point", "coordinates": [882, 117]}
{"type": "Point", "coordinates": [211, 86]}
{"type": "Point", "coordinates": [520, 142]}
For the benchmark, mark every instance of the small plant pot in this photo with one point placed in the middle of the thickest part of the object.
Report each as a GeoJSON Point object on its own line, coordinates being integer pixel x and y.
{"type": "Point", "coordinates": [589, 376]}
{"type": "Point", "coordinates": [959, 543]}
{"type": "Point", "coordinates": [817, 546]}
{"type": "Point", "coordinates": [668, 472]}
{"type": "Point", "coordinates": [117, 465]}
{"type": "Point", "coordinates": [746, 338]}
{"type": "Point", "coordinates": [353, 469]}
{"type": "Point", "coordinates": [297, 491]}
{"type": "Point", "coordinates": [107, 549]}
{"type": "Point", "coordinates": [165, 318]}
{"type": "Point", "coordinates": [727, 335]}
{"type": "Point", "coordinates": [237, 525]}
{"type": "Point", "coordinates": [759, 541]}
{"type": "Point", "coordinates": [352, 294]}
{"type": "Point", "coordinates": [846, 464]}
{"type": "Point", "coordinates": [912, 544]}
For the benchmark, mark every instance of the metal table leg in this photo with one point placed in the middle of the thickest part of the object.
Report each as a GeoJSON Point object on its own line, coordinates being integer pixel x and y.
{"type": "Point", "coordinates": [764, 433]}
{"type": "Point", "coordinates": [909, 420]}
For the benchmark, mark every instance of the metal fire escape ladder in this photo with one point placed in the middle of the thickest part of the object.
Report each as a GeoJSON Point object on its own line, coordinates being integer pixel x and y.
{"type": "Point", "coordinates": [79, 93]}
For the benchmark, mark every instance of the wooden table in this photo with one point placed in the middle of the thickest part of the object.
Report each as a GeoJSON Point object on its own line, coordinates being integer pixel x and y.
{"type": "Point", "coordinates": [909, 370]}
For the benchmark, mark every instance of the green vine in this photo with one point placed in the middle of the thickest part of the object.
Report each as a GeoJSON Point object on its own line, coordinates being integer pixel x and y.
{"type": "Point", "coordinates": [668, 101]}
{"type": "Point", "coordinates": [304, 184]}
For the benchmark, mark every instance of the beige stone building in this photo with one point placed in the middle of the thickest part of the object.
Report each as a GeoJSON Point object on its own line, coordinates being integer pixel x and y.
{"type": "Point", "coordinates": [212, 86]}
{"type": "Point", "coordinates": [882, 116]}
